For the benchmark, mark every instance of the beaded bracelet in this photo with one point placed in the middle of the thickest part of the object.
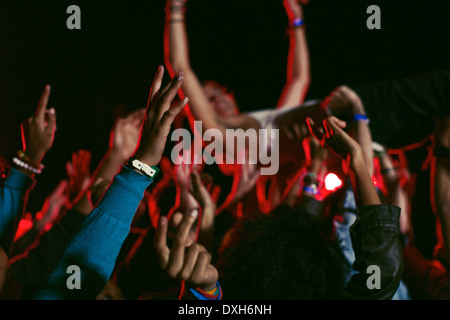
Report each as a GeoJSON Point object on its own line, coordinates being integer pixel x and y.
{"type": "Point", "coordinates": [26, 166]}
{"type": "Point", "coordinates": [22, 156]}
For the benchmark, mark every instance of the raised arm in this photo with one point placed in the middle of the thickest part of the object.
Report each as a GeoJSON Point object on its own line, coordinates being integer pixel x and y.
{"type": "Point", "coordinates": [298, 71]}
{"type": "Point", "coordinates": [333, 137]}
{"type": "Point", "coordinates": [123, 141]}
{"type": "Point", "coordinates": [95, 248]}
{"type": "Point", "coordinates": [37, 137]}
{"type": "Point", "coordinates": [375, 234]}
{"type": "Point", "coordinates": [345, 102]}
{"type": "Point", "coordinates": [176, 55]}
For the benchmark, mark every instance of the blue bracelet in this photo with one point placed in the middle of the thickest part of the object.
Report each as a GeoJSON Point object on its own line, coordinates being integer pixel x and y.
{"type": "Point", "coordinates": [310, 190]}
{"type": "Point", "coordinates": [297, 22]}
{"type": "Point", "coordinates": [361, 117]}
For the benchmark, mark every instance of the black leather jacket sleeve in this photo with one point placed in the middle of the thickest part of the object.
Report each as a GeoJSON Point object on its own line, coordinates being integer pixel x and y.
{"type": "Point", "coordinates": [376, 242]}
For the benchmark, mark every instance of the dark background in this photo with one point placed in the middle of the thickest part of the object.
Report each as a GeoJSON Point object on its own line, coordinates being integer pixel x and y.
{"type": "Point", "coordinates": [106, 68]}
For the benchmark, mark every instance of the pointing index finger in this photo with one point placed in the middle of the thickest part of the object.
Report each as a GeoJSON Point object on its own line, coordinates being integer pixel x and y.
{"type": "Point", "coordinates": [42, 105]}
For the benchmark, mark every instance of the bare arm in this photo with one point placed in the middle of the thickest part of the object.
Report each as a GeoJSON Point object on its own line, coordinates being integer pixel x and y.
{"type": "Point", "coordinates": [123, 141]}
{"type": "Point", "coordinates": [345, 101]}
{"type": "Point", "coordinates": [176, 56]}
{"type": "Point", "coordinates": [298, 66]}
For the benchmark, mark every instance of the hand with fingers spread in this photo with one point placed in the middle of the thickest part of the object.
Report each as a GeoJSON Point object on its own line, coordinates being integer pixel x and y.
{"type": "Point", "coordinates": [208, 206]}
{"type": "Point", "coordinates": [201, 193]}
{"type": "Point", "coordinates": [345, 101]}
{"type": "Point", "coordinates": [79, 173]}
{"type": "Point", "coordinates": [38, 131]}
{"type": "Point", "coordinates": [333, 137]}
{"type": "Point", "coordinates": [185, 199]}
{"type": "Point", "coordinates": [125, 135]}
{"type": "Point", "coordinates": [52, 208]}
{"type": "Point", "coordinates": [185, 260]}
{"type": "Point", "coordinates": [158, 118]}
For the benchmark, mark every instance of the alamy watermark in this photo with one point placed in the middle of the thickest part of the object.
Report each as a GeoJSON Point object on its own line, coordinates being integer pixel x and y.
{"type": "Point", "coordinates": [257, 147]}
{"type": "Point", "coordinates": [74, 20]}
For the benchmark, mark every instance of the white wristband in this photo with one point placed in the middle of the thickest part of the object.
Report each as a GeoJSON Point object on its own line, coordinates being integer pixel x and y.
{"type": "Point", "coordinates": [144, 168]}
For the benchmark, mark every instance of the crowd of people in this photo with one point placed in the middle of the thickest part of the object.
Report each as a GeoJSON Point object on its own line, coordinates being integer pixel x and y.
{"type": "Point", "coordinates": [143, 226]}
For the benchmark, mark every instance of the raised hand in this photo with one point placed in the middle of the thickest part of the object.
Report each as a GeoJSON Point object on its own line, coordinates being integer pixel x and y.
{"type": "Point", "coordinates": [185, 198]}
{"type": "Point", "coordinates": [125, 134]}
{"type": "Point", "coordinates": [79, 173]}
{"type": "Point", "coordinates": [158, 118]}
{"type": "Point", "coordinates": [332, 136]}
{"type": "Point", "coordinates": [201, 193]}
{"type": "Point", "coordinates": [294, 8]}
{"type": "Point", "coordinates": [38, 131]}
{"type": "Point", "coordinates": [345, 101]}
{"type": "Point", "coordinates": [52, 208]}
{"type": "Point", "coordinates": [185, 260]}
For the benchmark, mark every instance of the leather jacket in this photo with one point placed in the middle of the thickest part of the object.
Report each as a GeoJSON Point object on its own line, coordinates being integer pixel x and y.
{"type": "Point", "coordinates": [375, 238]}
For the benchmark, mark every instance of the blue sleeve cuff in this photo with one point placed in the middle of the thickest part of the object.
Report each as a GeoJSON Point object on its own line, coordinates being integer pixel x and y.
{"type": "Point", "coordinates": [18, 180]}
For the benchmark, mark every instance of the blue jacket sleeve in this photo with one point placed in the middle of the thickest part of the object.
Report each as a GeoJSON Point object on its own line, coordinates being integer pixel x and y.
{"type": "Point", "coordinates": [13, 196]}
{"type": "Point", "coordinates": [93, 251]}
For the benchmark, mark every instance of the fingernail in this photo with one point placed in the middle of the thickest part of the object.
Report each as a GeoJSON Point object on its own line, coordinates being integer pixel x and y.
{"type": "Point", "coordinates": [52, 110]}
{"type": "Point", "coordinates": [181, 73]}
{"type": "Point", "coordinates": [186, 100]}
{"type": "Point", "coordinates": [162, 221]}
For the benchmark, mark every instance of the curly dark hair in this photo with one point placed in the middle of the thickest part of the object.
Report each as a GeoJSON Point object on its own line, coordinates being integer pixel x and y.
{"type": "Point", "coordinates": [280, 256]}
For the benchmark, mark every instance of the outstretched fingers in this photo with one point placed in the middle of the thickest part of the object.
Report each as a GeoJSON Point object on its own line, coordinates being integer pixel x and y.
{"type": "Point", "coordinates": [316, 132]}
{"type": "Point", "coordinates": [156, 85]}
{"type": "Point", "coordinates": [176, 257]}
{"type": "Point", "coordinates": [168, 94]}
{"type": "Point", "coordinates": [172, 259]}
{"type": "Point", "coordinates": [169, 115]}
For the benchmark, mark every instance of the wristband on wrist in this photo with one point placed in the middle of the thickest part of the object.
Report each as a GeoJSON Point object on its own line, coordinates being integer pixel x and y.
{"type": "Point", "coordinates": [298, 22]}
{"type": "Point", "coordinates": [149, 171]}
{"type": "Point", "coordinates": [214, 294]}
{"type": "Point", "coordinates": [24, 165]}
{"type": "Point", "coordinates": [311, 189]}
{"type": "Point", "coordinates": [22, 156]}
{"type": "Point", "coordinates": [361, 117]}
{"type": "Point", "coordinates": [179, 7]}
